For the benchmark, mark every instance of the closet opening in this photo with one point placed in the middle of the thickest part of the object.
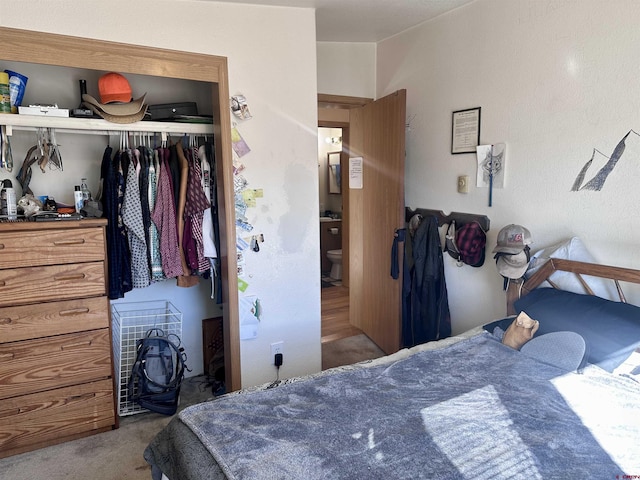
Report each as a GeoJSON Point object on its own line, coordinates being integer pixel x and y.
{"type": "Point", "coordinates": [55, 64]}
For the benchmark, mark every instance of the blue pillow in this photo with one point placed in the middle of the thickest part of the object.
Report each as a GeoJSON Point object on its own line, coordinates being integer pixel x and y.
{"type": "Point", "coordinates": [565, 350]}
{"type": "Point", "coordinates": [611, 330]}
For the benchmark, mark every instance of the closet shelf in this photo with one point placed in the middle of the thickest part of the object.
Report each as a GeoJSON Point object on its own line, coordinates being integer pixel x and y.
{"type": "Point", "coordinates": [100, 126]}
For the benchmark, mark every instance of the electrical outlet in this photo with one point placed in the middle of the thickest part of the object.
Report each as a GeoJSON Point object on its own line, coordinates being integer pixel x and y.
{"type": "Point", "coordinates": [276, 347]}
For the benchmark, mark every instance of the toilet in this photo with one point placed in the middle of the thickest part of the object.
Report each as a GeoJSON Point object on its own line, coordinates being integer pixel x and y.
{"type": "Point", "coordinates": [335, 256]}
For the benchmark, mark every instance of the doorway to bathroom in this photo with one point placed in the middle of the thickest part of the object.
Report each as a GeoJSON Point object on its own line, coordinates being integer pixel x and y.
{"type": "Point", "coordinates": [333, 235]}
{"type": "Point", "coordinates": [330, 202]}
{"type": "Point", "coordinates": [374, 131]}
{"type": "Point", "coordinates": [342, 342]}
{"type": "Point", "coordinates": [374, 149]}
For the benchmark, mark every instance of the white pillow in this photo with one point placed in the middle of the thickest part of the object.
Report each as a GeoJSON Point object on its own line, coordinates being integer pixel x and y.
{"type": "Point", "coordinates": [572, 249]}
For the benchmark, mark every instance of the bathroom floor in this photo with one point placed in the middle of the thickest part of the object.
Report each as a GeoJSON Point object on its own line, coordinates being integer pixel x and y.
{"type": "Point", "coordinates": [327, 281]}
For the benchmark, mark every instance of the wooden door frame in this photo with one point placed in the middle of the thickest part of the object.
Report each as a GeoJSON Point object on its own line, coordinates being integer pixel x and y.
{"type": "Point", "coordinates": [66, 51]}
{"type": "Point", "coordinates": [333, 112]}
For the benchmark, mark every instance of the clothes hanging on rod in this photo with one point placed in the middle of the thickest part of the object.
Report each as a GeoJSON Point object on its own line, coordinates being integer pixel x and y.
{"type": "Point", "coordinates": [155, 203]}
{"type": "Point", "coordinates": [155, 260]}
{"type": "Point", "coordinates": [208, 238]}
{"type": "Point", "coordinates": [197, 203]}
{"type": "Point", "coordinates": [119, 262]}
{"type": "Point", "coordinates": [144, 187]}
{"type": "Point", "coordinates": [212, 251]}
{"type": "Point", "coordinates": [131, 212]}
{"type": "Point", "coordinates": [187, 279]}
{"type": "Point", "coordinates": [164, 217]}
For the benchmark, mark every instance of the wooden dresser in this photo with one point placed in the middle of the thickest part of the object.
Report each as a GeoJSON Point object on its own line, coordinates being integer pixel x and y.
{"type": "Point", "coordinates": [56, 367]}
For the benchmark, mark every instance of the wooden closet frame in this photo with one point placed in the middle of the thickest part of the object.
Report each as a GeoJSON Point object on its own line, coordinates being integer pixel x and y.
{"type": "Point", "coordinates": [66, 51]}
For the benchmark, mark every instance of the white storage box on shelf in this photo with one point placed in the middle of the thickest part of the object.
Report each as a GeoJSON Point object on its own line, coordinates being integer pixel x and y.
{"type": "Point", "coordinates": [130, 322]}
{"type": "Point", "coordinates": [44, 111]}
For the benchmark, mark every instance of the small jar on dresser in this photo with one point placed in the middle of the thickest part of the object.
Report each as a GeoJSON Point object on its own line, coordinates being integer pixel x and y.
{"type": "Point", "coordinates": [56, 366]}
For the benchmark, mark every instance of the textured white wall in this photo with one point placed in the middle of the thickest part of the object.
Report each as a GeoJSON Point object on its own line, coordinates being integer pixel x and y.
{"type": "Point", "coordinates": [272, 61]}
{"type": "Point", "coordinates": [347, 68]}
{"type": "Point", "coordinates": [555, 79]}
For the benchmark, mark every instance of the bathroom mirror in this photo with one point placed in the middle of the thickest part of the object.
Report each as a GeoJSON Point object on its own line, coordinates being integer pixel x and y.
{"type": "Point", "coordinates": [333, 162]}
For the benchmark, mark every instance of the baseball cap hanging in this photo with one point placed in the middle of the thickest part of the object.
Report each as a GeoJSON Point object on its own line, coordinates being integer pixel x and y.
{"type": "Point", "coordinates": [514, 265]}
{"type": "Point", "coordinates": [471, 241]}
{"type": "Point", "coordinates": [467, 244]}
{"type": "Point", "coordinates": [450, 241]}
{"type": "Point", "coordinates": [512, 239]}
{"type": "Point", "coordinates": [512, 252]}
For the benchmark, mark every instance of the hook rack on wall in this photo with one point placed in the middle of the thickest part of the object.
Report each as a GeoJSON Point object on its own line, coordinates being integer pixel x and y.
{"type": "Point", "coordinates": [460, 218]}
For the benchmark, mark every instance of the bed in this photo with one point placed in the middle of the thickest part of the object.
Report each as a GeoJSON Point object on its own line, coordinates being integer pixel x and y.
{"type": "Point", "coordinates": [463, 407]}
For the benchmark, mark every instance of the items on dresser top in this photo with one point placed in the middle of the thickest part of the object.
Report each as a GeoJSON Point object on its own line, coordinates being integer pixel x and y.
{"type": "Point", "coordinates": [54, 216]}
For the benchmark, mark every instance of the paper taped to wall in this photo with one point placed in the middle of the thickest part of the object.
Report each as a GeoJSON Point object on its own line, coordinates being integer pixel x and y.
{"type": "Point", "coordinates": [249, 316]}
{"type": "Point", "coordinates": [355, 172]}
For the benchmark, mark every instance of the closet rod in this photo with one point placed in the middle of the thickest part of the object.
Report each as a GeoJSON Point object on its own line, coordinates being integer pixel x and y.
{"type": "Point", "coordinates": [79, 132]}
{"type": "Point", "coordinates": [109, 132]}
{"type": "Point", "coordinates": [100, 127]}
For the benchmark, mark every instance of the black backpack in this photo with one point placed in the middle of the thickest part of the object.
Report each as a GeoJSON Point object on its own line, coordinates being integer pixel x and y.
{"type": "Point", "coordinates": [157, 372]}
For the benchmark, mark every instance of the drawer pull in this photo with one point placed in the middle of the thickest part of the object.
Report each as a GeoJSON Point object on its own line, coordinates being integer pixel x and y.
{"type": "Point", "coordinates": [5, 321]}
{"type": "Point", "coordinates": [73, 311]}
{"type": "Point", "coordinates": [69, 276]}
{"type": "Point", "coordinates": [83, 396]}
{"type": "Point", "coordinates": [71, 346]}
{"type": "Point", "coordinates": [1, 246]}
{"type": "Point", "coordinates": [74, 241]}
{"type": "Point", "coordinates": [2, 283]}
{"type": "Point", "coordinates": [4, 357]}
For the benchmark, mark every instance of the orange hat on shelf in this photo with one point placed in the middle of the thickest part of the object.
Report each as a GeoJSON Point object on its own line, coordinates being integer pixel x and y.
{"type": "Point", "coordinates": [116, 104]}
{"type": "Point", "coordinates": [114, 87]}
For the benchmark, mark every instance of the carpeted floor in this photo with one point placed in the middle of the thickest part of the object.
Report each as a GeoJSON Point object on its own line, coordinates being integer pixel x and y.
{"type": "Point", "coordinates": [113, 455]}
{"type": "Point", "coordinates": [117, 455]}
{"type": "Point", "coordinates": [349, 350]}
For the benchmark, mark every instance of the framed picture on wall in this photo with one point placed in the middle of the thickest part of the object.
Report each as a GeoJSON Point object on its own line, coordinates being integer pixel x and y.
{"type": "Point", "coordinates": [465, 131]}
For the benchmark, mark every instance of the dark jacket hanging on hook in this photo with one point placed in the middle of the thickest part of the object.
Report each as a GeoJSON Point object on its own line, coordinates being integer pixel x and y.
{"type": "Point", "coordinates": [425, 303]}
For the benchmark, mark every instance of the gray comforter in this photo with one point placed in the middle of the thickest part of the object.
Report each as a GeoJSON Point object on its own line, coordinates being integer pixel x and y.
{"type": "Point", "coordinates": [475, 410]}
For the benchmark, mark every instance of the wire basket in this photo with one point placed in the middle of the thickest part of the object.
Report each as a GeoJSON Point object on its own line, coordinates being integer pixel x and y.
{"type": "Point", "coordinates": [130, 322]}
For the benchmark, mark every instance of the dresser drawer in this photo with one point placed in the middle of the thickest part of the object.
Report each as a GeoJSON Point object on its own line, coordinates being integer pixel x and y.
{"type": "Point", "coordinates": [47, 363]}
{"type": "Point", "coordinates": [51, 247]}
{"type": "Point", "coordinates": [19, 286]}
{"type": "Point", "coordinates": [41, 419]}
{"type": "Point", "coordinates": [53, 318]}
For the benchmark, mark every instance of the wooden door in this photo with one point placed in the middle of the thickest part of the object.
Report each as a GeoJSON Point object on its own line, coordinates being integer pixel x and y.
{"type": "Point", "coordinates": [377, 135]}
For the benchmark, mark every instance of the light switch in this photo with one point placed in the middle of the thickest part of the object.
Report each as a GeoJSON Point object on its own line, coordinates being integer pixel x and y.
{"type": "Point", "coordinates": [463, 184]}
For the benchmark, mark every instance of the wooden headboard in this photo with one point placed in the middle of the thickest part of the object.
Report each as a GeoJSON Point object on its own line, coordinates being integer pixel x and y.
{"type": "Point", "coordinates": [520, 288]}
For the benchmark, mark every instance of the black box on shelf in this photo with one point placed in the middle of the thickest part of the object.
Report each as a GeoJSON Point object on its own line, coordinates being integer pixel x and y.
{"type": "Point", "coordinates": [169, 111]}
